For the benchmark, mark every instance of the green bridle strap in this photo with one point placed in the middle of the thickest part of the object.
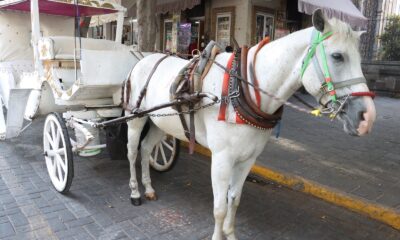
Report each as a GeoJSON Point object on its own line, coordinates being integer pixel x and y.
{"type": "Point", "coordinates": [318, 39]}
{"type": "Point", "coordinates": [311, 52]}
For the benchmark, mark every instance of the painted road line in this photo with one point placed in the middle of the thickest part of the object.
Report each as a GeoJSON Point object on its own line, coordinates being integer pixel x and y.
{"type": "Point", "coordinates": [373, 210]}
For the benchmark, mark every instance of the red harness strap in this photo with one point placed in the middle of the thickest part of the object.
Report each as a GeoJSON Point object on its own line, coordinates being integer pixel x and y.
{"type": "Point", "coordinates": [225, 90]}
{"type": "Point", "coordinates": [363, 94]}
{"type": "Point", "coordinates": [254, 79]}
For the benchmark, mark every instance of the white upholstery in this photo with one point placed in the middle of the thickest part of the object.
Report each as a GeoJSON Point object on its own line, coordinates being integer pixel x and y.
{"type": "Point", "coordinates": [62, 48]}
{"type": "Point", "coordinates": [11, 74]}
{"type": "Point", "coordinates": [15, 33]}
{"type": "Point", "coordinates": [105, 68]}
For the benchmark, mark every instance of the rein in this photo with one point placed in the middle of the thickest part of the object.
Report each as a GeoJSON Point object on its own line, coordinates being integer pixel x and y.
{"type": "Point", "coordinates": [327, 86]}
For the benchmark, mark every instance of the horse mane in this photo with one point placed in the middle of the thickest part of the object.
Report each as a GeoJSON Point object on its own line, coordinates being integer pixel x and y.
{"type": "Point", "coordinates": [343, 29]}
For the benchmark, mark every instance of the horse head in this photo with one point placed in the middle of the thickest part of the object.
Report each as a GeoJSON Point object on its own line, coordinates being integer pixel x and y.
{"type": "Point", "coordinates": [332, 73]}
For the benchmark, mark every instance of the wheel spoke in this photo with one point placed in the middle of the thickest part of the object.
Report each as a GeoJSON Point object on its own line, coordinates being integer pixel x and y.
{"type": "Point", "coordinates": [50, 140]}
{"type": "Point", "coordinates": [53, 130]}
{"type": "Point", "coordinates": [63, 164]}
{"type": "Point", "coordinates": [53, 163]}
{"type": "Point", "coordinates": [156, 153]}
{"type": "Point", "coordinates": [60, 151]}
{"type": "Point", "coordinates": [165, 143]}
{"type": "Point", "coordinates": [57, 138]}
{"type": "Point", "coordinates": [60, 176]}
{"type": "Point", "coordinates": [164, 158]}
{"type": "Point", "coordinates": [152, 159]}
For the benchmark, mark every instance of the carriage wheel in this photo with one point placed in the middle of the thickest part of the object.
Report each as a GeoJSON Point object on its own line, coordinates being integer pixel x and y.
{"type": "Point", "coordinates": [164, 154]}
{"type": "Point", "coordinates": [58, 152]}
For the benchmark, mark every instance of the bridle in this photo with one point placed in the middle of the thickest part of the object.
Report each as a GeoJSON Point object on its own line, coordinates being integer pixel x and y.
{"type": "Point", "coordinates": [335, 103]}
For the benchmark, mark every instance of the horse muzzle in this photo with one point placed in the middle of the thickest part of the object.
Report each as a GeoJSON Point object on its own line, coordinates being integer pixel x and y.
{"type": "Point", "coordinates": [358, 116]}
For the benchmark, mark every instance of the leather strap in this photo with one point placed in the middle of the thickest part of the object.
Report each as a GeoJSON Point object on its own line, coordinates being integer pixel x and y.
{"type": "Point", "coordinates": [247, 110]}
{"type": "Point", "coordinates": [192, 133]}
{"type": "Point", "coordinates": [349, 82]}
{"type": "Point", "coordinates": [144, 89]}
{"type": "Point", "coordinates": [254, 80]}
{"type": "Point", "coordinates": [225, 91]}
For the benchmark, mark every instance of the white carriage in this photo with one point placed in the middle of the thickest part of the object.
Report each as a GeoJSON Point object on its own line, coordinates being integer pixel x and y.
{"type": "Point", "coordinates": [46, 70]}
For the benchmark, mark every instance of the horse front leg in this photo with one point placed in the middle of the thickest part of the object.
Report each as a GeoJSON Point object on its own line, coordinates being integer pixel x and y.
{"type": "Point", "coordinates": [152, 138]}
{"type": "Point", "coordinates": [221, 171]}
{"type": "Point", "coordinates": [240, 172]}
{"type": "Point", "coordinates": [135, 128]}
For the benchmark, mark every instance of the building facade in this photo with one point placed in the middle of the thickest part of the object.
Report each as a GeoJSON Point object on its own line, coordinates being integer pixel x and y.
{"type": "Point", "coordinates": [243, 21]}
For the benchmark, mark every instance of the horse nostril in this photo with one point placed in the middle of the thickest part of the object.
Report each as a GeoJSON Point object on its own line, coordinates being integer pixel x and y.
{"type": "Point", "coordinates": [361, 116]}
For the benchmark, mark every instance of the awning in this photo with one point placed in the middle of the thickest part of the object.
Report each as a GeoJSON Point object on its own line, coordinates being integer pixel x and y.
{"type": "Point", "coordinates": [62, 7]}
{"type": "Point", "coordinates": [100, 20]}
{"type": "Point", "coordinates": [164, 6]}
{"type": "Point", "coordinates": [340, 9]}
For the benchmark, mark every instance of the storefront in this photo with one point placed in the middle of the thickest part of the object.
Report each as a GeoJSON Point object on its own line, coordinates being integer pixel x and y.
{"type": "Point", "coordinates": [192, 25]}
{"type": "Point", "coordinates": [247, 21]}
{"type": "Point", "coordinates": [181, 26]}
{"type": "Point", "coordinates": [186, 25]}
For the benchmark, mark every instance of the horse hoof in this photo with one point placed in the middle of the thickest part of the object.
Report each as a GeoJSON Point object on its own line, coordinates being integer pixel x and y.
{"type": "Point", "coordinates": [136, 201]}
{"type": "Point", "coordinates": [151, 196]}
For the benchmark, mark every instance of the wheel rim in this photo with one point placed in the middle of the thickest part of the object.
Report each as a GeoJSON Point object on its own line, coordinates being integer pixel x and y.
{"type": "Point", "coordinates": [55, 153]}
{"type": "Point", "coordinates": [163, 154]}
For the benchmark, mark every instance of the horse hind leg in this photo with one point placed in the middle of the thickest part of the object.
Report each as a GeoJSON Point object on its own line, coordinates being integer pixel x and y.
{"type": "Point", "coordinates": [240, 172]}
{"type": "Point", "coordinates": [152, 138]}
{"type": "Point", "coordinates": [135, 128]}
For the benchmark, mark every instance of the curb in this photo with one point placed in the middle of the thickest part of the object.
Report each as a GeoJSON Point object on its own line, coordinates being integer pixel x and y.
{"type": "Point", "coordinates": [375, 211]}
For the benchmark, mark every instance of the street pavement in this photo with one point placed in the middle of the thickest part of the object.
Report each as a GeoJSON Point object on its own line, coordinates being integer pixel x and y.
{"type": "Point", "coordinates": [98, 205]}
{"type": "Point", "coordinates": [319, 150]}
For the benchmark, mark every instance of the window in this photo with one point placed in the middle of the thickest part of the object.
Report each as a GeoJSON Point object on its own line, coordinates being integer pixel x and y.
{"type": "Point", "coordinates": [264, 26]}
{"type": "Point", "coordinates": [167, 35]}
{"type": "Point", "coordinates": [223, 32]}
{"type": "Point", "coordinates": [223, 25]}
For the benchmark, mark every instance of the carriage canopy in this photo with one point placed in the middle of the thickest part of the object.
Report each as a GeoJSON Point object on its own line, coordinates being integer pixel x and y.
{"type": "Point", "coordinates": [63, 7]}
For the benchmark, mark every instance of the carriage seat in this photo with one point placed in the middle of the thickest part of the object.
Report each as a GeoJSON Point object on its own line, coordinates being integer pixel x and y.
{"type": "Point", "coordinates": [102, 66]}
{"type": "Point", "coordinates": [62, 48]}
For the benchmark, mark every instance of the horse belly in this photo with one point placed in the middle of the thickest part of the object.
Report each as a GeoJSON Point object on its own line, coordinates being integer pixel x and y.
{"type": "Point", "coordinates": [159, 93]}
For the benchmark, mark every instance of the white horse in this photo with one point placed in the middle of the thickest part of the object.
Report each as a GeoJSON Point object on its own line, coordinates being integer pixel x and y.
{"type": "Point", "coordinates": [235, 147]}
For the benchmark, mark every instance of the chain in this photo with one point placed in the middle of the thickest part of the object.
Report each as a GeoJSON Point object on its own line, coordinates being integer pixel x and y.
{"type": "Point", "coordinates": [183, 112]}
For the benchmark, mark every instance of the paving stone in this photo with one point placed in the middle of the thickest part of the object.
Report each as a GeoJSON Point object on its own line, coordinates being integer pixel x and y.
{"type": "Point", "coordinates": [18, 219]}
{"type": "Point", "coordinates": [37, 222]}
{"type": "Point", "coordinates": [30, 210]}
{"type": "Point", "coordinates": [79, 222]}
{"type": "Point", "coordinates": [64, 215]}
{"type": "Point", "coordinates": [94, 229]}
{"type": "Point", "coordinates": [56, 225]}
{"type": "Point", "coordinates": [23, 228]}
{"type": "Point", "coordinates": [6, 230]}
{"type": "Point", "coordinates": [98, 205]}
{"type": "Point", "coordinates": [45, 233]}
{"type": "Point", "coordinates": [53, 208]}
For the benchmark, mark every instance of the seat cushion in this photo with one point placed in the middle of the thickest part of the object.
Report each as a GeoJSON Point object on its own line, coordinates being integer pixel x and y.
{"type": "Point", "coordinates": [63, 47]}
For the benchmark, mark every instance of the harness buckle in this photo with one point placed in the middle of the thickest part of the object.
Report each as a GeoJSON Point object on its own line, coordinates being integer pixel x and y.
{"type": "Point", "coordinates": [341, 104]}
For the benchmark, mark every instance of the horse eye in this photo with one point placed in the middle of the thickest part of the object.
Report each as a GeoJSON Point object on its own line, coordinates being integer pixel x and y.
{"type": "Point", "coordinates": [337, 57]}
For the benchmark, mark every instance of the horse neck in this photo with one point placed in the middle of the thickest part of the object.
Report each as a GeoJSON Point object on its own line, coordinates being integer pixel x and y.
{"type": "Point", "coordinates": [278, 67]}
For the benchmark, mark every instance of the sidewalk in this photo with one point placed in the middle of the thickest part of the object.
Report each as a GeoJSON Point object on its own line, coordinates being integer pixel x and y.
{"type": "Point", "coordinates": [319, 150]}
{"type": "Point", "coordinates": [98, 205]}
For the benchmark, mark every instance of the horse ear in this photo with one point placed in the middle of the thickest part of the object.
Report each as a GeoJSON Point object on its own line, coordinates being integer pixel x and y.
{"type": "Point", "coordinates": [318, 20]}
